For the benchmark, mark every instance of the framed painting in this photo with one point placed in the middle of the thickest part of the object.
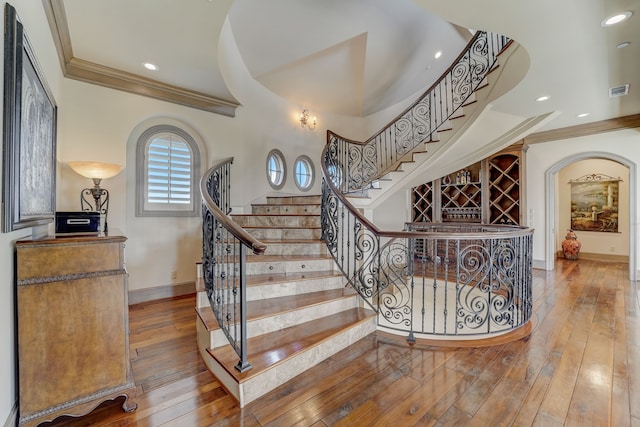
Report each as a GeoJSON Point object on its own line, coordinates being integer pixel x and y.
{"type": "Point", "coordinates": [594, 203]}
{"type": "Point", "coordinates": [29, 138]}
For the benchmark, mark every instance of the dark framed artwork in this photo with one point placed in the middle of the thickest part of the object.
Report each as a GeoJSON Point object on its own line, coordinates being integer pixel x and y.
{"type": "Point", "coordinates": [595, 202]}
{"type": "Point", "coordinates": [29, 138]}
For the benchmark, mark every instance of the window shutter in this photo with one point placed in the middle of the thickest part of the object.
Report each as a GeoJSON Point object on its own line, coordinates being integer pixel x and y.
{"type": "Point", "coordinates": [169, 170]}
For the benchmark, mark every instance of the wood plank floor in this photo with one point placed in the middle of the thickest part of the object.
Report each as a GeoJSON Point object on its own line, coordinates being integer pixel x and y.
{"type": "Point", "coordinates": [580, 366]}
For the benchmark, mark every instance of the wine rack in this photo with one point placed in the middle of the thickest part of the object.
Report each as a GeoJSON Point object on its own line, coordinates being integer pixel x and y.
{"type": "Point", "coordinates": [504, 189]}
{"type": "Point", "coordinates": [491, 196]}
{"type": "Point", "coordinates": [461, 202]}
{"type": "Point", "coordinates": [422, 203]}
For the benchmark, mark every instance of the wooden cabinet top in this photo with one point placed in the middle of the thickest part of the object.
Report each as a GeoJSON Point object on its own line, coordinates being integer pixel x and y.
{"type": "Point", "coordinates": [59, 258]}
{"type": "Point", "coordinates": [111, 237]}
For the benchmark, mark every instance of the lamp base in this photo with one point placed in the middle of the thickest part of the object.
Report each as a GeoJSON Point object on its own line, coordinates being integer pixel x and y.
{"type": "Point", "coordinates": [100, 198]}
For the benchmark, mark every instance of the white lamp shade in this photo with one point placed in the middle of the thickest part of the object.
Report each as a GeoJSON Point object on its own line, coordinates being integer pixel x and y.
{"type": "Point", "coordinates": [95, 169]}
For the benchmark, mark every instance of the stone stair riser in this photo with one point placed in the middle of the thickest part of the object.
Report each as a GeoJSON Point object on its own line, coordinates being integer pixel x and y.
{"type": "Point", "coordinates": [295, 200]}
{"type": "Point", "coordinates": [295, 248]}
{"type": "Point", "coordinates": [293, 266]}
{"type": "Point", "coordinates": [285, 233]}
{"type": "Point", "coordinates": [277, 220]}
{"type": "Point", "coordinates": [286, 210]}
{"type": "Point", "coordinates": [281, 289]}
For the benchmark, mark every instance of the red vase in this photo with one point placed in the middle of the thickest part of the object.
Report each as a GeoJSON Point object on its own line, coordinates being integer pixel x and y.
{"type": "Point", "coordinates": [571, 246]}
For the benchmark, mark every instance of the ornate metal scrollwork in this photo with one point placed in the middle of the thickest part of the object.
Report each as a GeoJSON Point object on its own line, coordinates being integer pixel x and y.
{"type": "Point", "coordinates": [367, 162]}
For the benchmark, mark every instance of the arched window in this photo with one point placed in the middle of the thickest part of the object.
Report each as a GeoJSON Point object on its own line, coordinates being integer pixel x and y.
{"type": "Point", "coordinates": [168, 165]}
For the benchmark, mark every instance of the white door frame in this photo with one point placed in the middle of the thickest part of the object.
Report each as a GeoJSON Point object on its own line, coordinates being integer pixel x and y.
{"type": "Point", "coordinates": [550, 191]}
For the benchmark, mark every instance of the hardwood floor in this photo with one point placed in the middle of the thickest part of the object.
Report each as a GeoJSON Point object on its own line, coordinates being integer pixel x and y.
{"type": "Point", "coordinates": [580, 366]}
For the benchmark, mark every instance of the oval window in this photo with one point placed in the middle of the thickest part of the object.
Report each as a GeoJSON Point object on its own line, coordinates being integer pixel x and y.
{"type": "Point", "coordinates": [276, 169]}
{"type": "Point", "coordinates": [304, 173]}
{"type": "Point", "coordinates": [335, 175]}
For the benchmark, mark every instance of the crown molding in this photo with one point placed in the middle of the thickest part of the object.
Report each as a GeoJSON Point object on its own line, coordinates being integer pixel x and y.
{"type": "Point", "coordinates": [89, 72]}
{"type": "Point", "coordinates": [625, 122]}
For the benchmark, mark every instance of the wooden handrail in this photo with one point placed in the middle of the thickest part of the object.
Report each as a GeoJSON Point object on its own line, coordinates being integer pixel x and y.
{"type": "Point", "coordinates": [237, 231]}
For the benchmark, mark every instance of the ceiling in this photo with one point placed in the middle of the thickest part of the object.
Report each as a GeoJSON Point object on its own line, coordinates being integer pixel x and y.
{"type": "Point", "coordinates": [356, 57]}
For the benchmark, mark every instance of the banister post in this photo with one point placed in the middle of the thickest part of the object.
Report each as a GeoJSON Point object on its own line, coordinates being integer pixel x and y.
{"type": "Point", "coordinates": [243, 363]}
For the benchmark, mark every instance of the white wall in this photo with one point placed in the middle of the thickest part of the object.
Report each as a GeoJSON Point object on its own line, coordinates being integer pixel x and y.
{"type": "Point", "coordinates": [32, 17]}
{"type": "Point", "coordinates": [542, 157]}
{"type": "Point", "coordinates": [95, 123]}
{"type": "Point", "coordinates": [592, 241]}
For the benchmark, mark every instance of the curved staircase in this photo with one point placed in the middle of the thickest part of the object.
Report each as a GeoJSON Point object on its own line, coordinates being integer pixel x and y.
{"type": "Point", "coordinates": [299, 312]}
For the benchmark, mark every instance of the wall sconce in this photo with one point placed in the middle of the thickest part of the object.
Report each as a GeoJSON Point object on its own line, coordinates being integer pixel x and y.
{"type": "Point", "coordinates": [97, 172]}
{"type": "Point", "coordinates": [304, 120]}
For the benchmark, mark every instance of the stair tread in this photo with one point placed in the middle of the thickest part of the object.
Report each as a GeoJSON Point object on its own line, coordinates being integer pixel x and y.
{"type": "Point", "coordinates": [294, 200]}
{"type": "Point", "coordinates": [268, 350]}
{"type": "Point", "coordinates": [261, 279]}
{"type": "Point", "coordinates": [276, 306]}
{"type": "Point", "coordinates": [285, 204]}
{"type": "Point", "coordinates": [287, 242]}
{"type": "Point", "coordinates": [284, 258]}
{"type": "Point", "coordinates": [275, 278]}
{"type": "Point", "coordinates": [287, 214]}
{"type": "Point", "coordinates": [283, 227]}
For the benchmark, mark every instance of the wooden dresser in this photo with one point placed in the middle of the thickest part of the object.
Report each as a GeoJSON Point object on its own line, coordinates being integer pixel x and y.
{"type": "Point", "coordinates": [73, 326]}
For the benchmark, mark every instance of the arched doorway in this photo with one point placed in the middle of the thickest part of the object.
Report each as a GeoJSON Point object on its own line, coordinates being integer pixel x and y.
{"type": "Point", "coordinates": [551, 220]}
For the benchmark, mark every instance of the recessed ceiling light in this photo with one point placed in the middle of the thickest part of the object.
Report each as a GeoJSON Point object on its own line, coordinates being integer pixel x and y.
{"type": "Point", "coordinates": [149, 66]}
{"type": "Point", "coordinates": [623, 44]}
{"type": "Point", "coordinates": [615, 19]}
{"type": "Point", "coordinates": [582, 115]}
{"type": "Point", "coordinates": [542, 98]}
{"type": "Point", "coordinates": [438, 54]}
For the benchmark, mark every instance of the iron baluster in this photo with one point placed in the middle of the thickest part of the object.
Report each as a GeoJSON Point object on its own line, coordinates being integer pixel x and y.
{"type": "Point", "coordinates": [224, 259]}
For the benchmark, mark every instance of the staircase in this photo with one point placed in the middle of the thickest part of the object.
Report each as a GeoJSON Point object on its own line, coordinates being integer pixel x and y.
{"type": "Point", "coordinates": [299, 312]}
{"type": "Point", "coordinates": [474, 131]}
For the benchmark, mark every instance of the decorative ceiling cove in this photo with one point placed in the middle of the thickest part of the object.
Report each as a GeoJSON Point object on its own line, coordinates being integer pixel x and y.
{"type": "Point", "coordinates": [349, 57]}
{"type": "Point", "coordinates": [354, 57]}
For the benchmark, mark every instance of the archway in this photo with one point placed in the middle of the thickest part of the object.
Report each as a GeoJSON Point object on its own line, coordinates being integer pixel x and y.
{"type": "Point", "coordinates": [550, 191]}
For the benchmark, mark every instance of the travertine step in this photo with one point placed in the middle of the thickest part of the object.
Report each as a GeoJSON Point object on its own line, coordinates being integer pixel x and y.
{"type": "Point", "coordinates": [280, 209]}
{"type": "Point", "coordinates": [274, 314]}
{"type": "Point", "coordinates": [276, 285]}
{"type": "Point", "coordinates": [294, 200]}
{"type": "Point", "coordinates": [295, 247]}
{"type": "Point", "coordinates": [285, 220]}
{"type": "Point", "coordinates": [279, 233]}
{"type": "Point", "coordinates": [279, 356]}
{"type": "Point", "coordinates": [269, 264]}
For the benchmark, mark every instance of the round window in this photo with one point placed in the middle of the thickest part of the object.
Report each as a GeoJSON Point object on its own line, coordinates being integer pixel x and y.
{"type": "Point", "coordinates": [304, 173]}
{"type": "Point", "coordinates": [276, 169]}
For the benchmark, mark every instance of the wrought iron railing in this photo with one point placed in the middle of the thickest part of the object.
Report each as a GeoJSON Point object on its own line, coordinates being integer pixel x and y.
{"type": "Point", "coordinates": [358, 164]}
{"type": "Point", "coordinates": [224, 245]}
{"type": "Point", "coordinates": [429, 279]}
{"type": "Point", "coordinates": [433, 279]}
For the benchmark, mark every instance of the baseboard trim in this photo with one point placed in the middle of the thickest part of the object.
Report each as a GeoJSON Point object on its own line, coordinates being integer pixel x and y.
{"type": "Point", "coordinates": [158, 292]}
{"type": "Point", "coordinates": [599, 257]}
{"type": "Point", "coordinates": [539, 264]}
{"type": "Point", "coordinates": [12, 420]}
